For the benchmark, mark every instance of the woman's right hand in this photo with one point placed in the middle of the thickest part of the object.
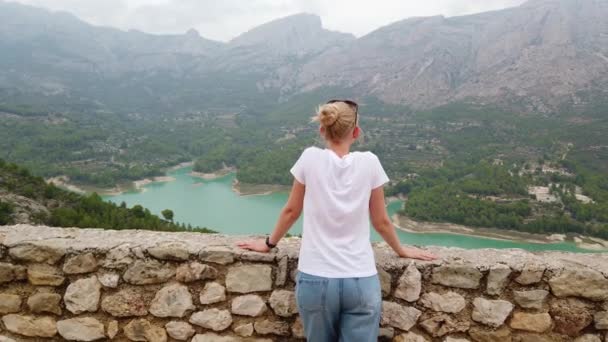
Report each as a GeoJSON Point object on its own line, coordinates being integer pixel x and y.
{"type": "Point", "coordinates": [415, 253]}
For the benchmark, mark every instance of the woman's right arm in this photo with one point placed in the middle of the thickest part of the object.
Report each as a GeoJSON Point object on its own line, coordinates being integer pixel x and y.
{"type": "Point", "coordinates": [384, 227]}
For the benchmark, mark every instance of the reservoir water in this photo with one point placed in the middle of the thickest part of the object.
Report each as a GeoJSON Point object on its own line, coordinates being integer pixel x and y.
{"type": "Point", "coordinates": [213, 204]}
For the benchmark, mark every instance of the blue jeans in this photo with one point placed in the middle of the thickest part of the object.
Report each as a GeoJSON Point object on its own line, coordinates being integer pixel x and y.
{"type": "Point", "coordinates": [339, 309]}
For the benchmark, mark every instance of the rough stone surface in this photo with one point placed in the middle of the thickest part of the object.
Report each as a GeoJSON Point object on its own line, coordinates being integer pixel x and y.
{"type": "Point", "coordinates": [109, 280]}
{"type": "Point", "coordinates": [443, 324]}
{"type": "Point", "coordinates": [297, 329]}
{"type": "Point", "coordinates": [81, 329]}
{"type": "Point", "coordinates": [217, 254]}
{"type": "Point", "coordinates": [6, 339]}
{"type": "Point", "coordinates": [498, 277]}
{"type": "Point", "coordinates": [6, 273]}
{"type": "Point", "coordinates": [142, 330]}
{"type": "Point", "coordinates": [588, 338]}
{"type": "Point", "coordinates": [531, 337]}
{"type": "Point", "coordinates": [463, 276]}
{"type": "Point", "coordinates": [170, 251]}
{"type": "Point", "coordinates": [601, 320]}
{"type": "Point", "coordinates": [533, 322]}
{"type": "Point", "coordinates": [385, 281]}
{"type": "Point", "coordinates": [180, 330]}
{"type": "Point", "coordinates": [9, 303]}
{"type": "Point", "coordinates": [479, 334]}
{"type": "Point", "coordinates": [214, 319]}
{"type": "Point", "coordinates": [44, 275]}
{"type": "Point", "coordinates": [249, 278]}
{"type": "Point", "coordinates": [282, 271]}
{"type": "Point", "coordinates": [532, 299]}
{"type": "Point", "coordinates": [83, 295]}
{"type": "Point", "coordinates": [398, 316]}
{"type": "Point", "coordinates": [570, 315]}
{"type": "Point", "coordinates": [450, 302]}
{"type": "Point", "coordinates": [386, 333]}
{"type": "Point", "coordinates": [80, 264]}
{"type": "Point", "coordinates": [194, 271]}
{"type": "Point", "coordinates": [267, 327]}
{"type": "Point", "coordinates": [491, 312]}
{"type": "Point", "coordinates": [148, 272]}
{"type": "Point", "coordinates": [112, 330]}
{"type": "Point", "coordinates": [173, 300]}
{"type": "Point", "coordinates": [212, 293]}
{"type": "Point", "coordinates": [30, 326]}
{"type": "Point", "coordinates": [257, 257]}
{"type": "Point", "coordinates": [283, 303]}
{"type": "Point", "coordinates": [248, 305]}
{"type": "Point", "coordinates": [45, 303]}
{"type": "Point", "coordinates": [125, 303]}
{"type": "Point", "coordinates": [580, 282]}
{"type": "Point", "coordinates": [409, 337]}
{"type": "Point", "coordinates": [531, 274]}
{"type": "Point", "coordinates": [456, 339]}
{"type": "Point", "coordinates": [36, 253]}
{"type": "Point", "coordinates": [118, 257]}
{"type": "Point", "coordinates": [244, 330]}
{"type": "Point", "coordinates": [211, 337]}
{"type": "Point", "coordinates": [410, 284]}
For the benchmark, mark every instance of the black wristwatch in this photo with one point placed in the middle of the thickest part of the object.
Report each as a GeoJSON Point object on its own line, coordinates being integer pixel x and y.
{"type": "Point", "coordinates": [271, 246]}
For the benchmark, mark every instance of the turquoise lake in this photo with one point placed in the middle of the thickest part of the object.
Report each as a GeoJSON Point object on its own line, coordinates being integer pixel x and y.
{"type": "Point", "coordinates": [213, 204]}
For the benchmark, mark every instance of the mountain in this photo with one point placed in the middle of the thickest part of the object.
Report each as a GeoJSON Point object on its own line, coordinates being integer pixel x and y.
{"type": "Point", "coordinates": [542, 56]}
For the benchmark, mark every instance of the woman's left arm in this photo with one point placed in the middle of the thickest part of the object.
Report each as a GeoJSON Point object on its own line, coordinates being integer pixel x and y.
{"type": "Point", "coordinates": [289, 215]}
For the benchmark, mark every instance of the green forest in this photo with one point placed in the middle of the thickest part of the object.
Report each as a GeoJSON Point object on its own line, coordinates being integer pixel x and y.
{"type": "Point", "coordinates": [68, 209]}
{"type": "Point", "coordinates": [486, 195]}
{"type": "Point", "coordinates": [451, 149]}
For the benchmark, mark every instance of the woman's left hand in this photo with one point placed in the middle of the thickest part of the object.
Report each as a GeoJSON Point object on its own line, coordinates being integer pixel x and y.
{"type": "Point", "coordinates": [254, 245]}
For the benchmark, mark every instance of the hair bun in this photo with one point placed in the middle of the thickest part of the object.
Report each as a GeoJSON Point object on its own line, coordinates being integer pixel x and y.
{"type": "Point", "coordinates": [328, 115]}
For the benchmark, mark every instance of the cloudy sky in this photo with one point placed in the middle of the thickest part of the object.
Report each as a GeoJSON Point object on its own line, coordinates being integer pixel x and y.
{"type": "Point", "coordinates": [225, 19]}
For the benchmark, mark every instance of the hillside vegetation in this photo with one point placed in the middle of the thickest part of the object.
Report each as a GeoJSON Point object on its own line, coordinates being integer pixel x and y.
{"type": "Point", "coordinates": [28, 199]}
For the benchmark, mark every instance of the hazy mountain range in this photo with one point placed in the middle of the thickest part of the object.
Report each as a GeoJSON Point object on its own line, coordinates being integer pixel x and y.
{"type": "Point", "coordinates": [542, 56]}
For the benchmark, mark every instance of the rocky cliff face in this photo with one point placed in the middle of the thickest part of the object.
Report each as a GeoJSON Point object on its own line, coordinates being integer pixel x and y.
{"type": "Point", "coordinates": [535, 57]}
{"type": "Point", "coordinates": [90, 284]}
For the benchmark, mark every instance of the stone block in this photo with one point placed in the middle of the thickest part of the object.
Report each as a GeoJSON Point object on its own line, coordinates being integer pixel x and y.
{"type": "Point", "coordinates": [409, 284]}
{"type": "Point", "coordinates": [81, 329]}
{"type": "Point", "coordinates": [464, 276]}
{"type": "Point", "coordinates": [173, 300]}
{"type": "Point", "coordinates": [80, 264]}
{"type": "Point", "coordinates": [249, 278]}
{"type": "Point", "coordinates": [399, 316]}
{"type": "Point", "coordinates": [491, 312]}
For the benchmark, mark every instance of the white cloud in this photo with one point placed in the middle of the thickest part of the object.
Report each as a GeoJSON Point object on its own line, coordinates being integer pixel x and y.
{"type": "Point", "coordinates": [223, 20]}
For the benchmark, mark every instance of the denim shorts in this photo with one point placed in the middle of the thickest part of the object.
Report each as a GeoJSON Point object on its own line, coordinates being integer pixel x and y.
{"type": "Point", "coordinates": [339, 309]}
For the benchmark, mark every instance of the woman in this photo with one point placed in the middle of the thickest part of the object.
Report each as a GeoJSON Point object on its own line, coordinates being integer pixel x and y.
{"type": "Point", "coordinates": [337, 286]}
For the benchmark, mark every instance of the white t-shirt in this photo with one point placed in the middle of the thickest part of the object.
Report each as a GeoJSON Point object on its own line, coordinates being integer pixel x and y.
{"type": "Point", "coordinates": [336, 233]}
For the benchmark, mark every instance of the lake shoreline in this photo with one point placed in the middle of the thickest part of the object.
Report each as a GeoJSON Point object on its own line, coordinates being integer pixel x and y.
{"type": "Point", "coordinates": [401, 222]}
{"type": "Point", "coordinates": [408, 225]}
{"type": "Point", "coordinates": [63, 181]}
{"type": "Point", "coordinates": [213, 175]}
{"type": "Point", "coordinates": [247, 189]}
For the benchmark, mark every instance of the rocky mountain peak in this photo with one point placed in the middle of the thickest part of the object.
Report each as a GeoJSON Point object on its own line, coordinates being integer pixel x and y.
{"type": "Point", "coordinates": [296, 34]}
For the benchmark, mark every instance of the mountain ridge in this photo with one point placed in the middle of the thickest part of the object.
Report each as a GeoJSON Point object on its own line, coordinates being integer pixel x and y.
{"type": "Point", "coordinates": [536, 57]}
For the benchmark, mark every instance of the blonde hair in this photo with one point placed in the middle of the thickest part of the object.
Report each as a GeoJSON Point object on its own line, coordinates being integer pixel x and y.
{"type": "Point", "coordinates": [338, 119]}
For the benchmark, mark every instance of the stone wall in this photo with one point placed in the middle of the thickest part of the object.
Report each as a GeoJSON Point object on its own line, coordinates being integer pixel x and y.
{"type": "Point", "coordinates": [86, 285]}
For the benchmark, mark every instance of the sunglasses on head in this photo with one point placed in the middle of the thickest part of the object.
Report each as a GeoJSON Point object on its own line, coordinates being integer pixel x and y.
{"type": "Point", "coordinates": [352, 104]}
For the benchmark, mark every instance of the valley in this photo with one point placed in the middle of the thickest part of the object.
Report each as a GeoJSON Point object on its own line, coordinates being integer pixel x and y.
{"type": "Point", "coordinates": [471, 133]}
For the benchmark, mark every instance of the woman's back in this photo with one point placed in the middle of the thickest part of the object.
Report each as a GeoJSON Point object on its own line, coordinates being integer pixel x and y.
{"type": "Point", "coordinates": [336, 234]}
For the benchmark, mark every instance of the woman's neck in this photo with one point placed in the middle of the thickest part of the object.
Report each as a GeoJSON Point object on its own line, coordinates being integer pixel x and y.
{"type": "Point", "coordinates": [341, 149]}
